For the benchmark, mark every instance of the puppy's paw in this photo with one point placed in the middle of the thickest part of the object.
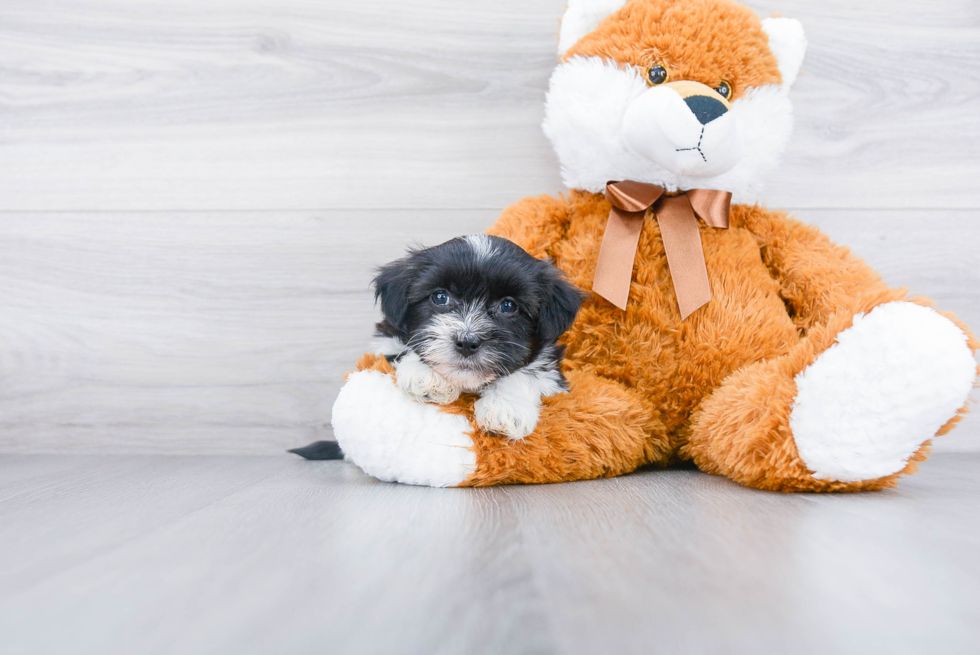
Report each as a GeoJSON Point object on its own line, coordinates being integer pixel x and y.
{"type": "Point", "coordinates": [513, 416]}
{"type": "Point", "coordinates": [422, 384]}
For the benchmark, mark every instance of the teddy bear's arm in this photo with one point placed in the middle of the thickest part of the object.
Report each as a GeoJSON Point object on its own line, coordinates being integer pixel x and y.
{"type": "Point", "coordinates": [534, 223]}
{"type": "Point", "coordinates": [600, 428]}
{"type": "Point", "coordinates": [817, 278]}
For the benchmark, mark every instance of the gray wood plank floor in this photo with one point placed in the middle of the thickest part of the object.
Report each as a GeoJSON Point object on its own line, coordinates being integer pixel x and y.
{"type": "Point", "coordinates": [151, 554]}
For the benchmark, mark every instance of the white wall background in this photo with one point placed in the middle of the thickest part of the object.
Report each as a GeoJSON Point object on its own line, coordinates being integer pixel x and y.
{"type": "Point", "coordinates": [193, 193]}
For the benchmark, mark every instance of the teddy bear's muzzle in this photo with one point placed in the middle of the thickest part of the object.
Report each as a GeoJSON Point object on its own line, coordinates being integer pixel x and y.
{"type": "Point", "coordinates": [686, 127]}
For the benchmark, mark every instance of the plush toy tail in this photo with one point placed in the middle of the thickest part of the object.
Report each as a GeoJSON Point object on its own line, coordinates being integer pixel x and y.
{"type": "Point", "coordinates": [320, 450]}
{"type": "Point", "coordinates": [331, 449]}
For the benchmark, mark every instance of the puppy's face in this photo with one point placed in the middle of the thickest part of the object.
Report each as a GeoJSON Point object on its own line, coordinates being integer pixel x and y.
{"type": "Point", "coordinates": [475, 308]}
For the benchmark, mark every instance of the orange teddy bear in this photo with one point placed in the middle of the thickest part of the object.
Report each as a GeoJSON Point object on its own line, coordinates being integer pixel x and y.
{"type": "Point", "coordinates": [718, 331]}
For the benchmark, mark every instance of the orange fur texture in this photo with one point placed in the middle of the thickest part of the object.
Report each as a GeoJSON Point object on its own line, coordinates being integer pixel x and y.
{"type": "Point", "coordinates": [691, 39]}
{"type": "Point", "coordinates": [718, 387]}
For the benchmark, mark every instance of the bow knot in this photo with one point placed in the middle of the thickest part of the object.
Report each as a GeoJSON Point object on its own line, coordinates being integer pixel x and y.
{"type": "Point", "coordinates": [677, 215]}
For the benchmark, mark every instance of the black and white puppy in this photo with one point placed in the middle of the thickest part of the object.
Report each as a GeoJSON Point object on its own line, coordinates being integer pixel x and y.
{"type": "Point", "coordinates": [477, 314]}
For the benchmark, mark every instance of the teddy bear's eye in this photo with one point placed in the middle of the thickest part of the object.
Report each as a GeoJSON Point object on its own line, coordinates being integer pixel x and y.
{"type": "Point", "coordinates": [656, 75]}
{"type": "Point", "coordinates": [724, 90]}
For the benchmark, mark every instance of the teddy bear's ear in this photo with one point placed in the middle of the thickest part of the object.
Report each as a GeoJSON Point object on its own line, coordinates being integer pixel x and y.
{"type": "Point", "coordinates": [581, 17]}
{"type": "Point", "coordinates": [788, 43]}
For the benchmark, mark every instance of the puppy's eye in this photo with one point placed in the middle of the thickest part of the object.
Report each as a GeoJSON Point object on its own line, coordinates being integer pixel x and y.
{"type": "Point", "coordinates": [656, 74]}
{"type": "Point", "coordinates": [507, 307]}
{"type": "Point", "coordinates": [724, 90]}
{"type": "Point", "coordinates": [441, 298]}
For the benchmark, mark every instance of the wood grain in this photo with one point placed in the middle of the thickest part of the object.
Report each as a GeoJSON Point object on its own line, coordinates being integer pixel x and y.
{"type": "Point", "coordinates": [226, 175]}
{"type": "Point", "coordinates": [161, 332]}
{"type": "Point", "coordinates": [229, 332]}
{"type": "Point", "coordinates": [190, 105]}
{"type": "Point", "coordinates": [193, 195]}
{"type": "Point", "coordinates": [271, 554]}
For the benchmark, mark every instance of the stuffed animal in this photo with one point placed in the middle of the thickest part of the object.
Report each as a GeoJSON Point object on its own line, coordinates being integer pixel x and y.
{"type": "Point", "coordinates": [717, 331]}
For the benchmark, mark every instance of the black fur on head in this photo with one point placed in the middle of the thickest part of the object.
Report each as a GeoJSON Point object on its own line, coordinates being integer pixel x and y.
{"type": "Point", "coordinates": [477, 305]}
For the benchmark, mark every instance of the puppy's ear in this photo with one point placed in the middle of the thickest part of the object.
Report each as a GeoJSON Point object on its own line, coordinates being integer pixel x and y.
{"type": "Point", "coordinates": [392, 286]}
{"type": "Point", "coordinates": [560, 303]}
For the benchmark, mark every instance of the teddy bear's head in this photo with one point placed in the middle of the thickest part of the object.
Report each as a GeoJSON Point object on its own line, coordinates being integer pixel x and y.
{"type": "Point", "coordinates": [680, 93]}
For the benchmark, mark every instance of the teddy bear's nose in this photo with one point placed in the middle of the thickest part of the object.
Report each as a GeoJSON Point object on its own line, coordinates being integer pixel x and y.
{"type": "Point", "coordinates": [705, 108]}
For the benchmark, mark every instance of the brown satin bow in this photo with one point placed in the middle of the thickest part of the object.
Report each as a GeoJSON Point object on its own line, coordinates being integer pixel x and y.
{"type": "Point", "coordinates": [677, 216]}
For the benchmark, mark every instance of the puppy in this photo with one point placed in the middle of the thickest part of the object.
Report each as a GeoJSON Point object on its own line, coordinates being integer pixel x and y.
{"type": "Point", "coordinates": [477, 314]}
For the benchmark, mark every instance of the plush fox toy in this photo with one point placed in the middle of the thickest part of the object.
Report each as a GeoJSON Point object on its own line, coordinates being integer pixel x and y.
{"type": "Point", "coordinates": [717, 331]}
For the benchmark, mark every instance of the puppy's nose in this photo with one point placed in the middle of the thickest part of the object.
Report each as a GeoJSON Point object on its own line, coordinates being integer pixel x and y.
{"type": "Point", "coordinates": [468, 344]}
{"type": "Point", "coordinates": [705, 108]}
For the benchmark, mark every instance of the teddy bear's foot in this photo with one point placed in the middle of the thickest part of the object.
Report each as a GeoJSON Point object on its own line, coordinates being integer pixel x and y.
{"type": "Point", "coordinates": [394, 438]}
{"type": "Point", "coordinates": [847, 409]}
{"type": "Point", "coordinates": [891, 381]}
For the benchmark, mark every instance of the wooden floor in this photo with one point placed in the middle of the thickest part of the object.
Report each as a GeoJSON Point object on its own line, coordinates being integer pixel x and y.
{"type": "Point", "coordinates": [248, 554]}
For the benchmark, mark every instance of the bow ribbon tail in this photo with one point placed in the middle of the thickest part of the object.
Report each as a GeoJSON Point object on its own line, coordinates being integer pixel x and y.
{"type": "Point", "coordinates": [685, 255]}
{"type": "Point", "coordinates": [614, 266]}
{"type": "Point", "coordinates": [677, 217]}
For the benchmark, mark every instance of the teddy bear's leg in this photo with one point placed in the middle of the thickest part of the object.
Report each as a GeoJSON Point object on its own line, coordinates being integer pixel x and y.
{"type": "Point", "coordinates": [851, 407]}
{"type": "Point", "coordinates": [396, 438]}
{"type": "Point", "coordinates": [599, 428]}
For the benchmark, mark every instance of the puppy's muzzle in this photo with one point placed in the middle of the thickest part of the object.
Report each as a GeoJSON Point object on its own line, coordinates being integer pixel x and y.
{"type": "Point", "coordinates": [468, 344]}
{"type": "Point", "coordinates": [685, 127]}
